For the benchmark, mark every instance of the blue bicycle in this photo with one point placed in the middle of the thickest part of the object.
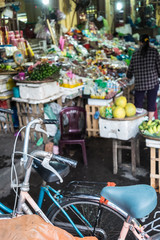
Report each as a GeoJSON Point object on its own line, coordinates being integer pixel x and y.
{"type": "Point", "coordinates": [79, 209]}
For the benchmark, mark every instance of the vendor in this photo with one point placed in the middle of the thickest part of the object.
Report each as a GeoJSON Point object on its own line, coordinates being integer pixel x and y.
{"type": "Point", "coordinates": [145, 67]}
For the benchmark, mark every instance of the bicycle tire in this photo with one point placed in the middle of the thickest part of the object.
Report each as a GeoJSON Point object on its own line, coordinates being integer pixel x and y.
{"type": "Point", "coordinates": [110, 223]}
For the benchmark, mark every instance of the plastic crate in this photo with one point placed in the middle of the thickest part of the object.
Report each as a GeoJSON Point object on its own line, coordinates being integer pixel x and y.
{"type": "Point", "coordinates": [154, 146]}
{"type": "Point", "coordinates": [92, 123]}
{"type": "Point", "coordinates": [6, 122]}
{"type": "Point", "coordinates": [120, 129]}
{"type": "Point", "coordinates": [27, 112]}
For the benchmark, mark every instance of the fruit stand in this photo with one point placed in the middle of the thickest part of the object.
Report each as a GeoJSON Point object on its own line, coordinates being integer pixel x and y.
{"type": "Point", "coordinates": [120, 122]}
{"type": "Point", "coordinates": [122, 131]}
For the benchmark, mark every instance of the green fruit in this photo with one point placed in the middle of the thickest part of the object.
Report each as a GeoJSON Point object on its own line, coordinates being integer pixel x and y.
{"type": "Point", "coordinates": [158, 128]}
{"type": "Point", "coordinates": [121, 101]}
{"type": "Point", "coordinates": [150, 129]}
{"type": "Point", "coordinates": [130, 109]}
{"type": "Point", "coordinates": [119, 112]}
{"type": "Point", "coordinates": [154, 129]}
{"type": "Point", "coordinates": [141, 127]}
{"type": "Point", "coordinates": [149, 122]}
{"type": "Point", "coordinates": [113, 107]}
{"type": "Point", "coordinates": [144, 124]}
{"type": "Point", "coordinates": [158, 134]}
{"type": "Point", "coordinates": [102, 111]}
{"type": "Point", "coordinates": [8, 67]}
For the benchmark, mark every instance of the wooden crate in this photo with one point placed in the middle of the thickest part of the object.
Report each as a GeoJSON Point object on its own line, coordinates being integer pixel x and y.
{"type": "Point", "coordinates": [127, 93]}
{"type": "Point", "coordinates": [92, 123]}
{"type": "Point", "coordinates": [7, 125]}
{"type": "Point", "coordinates": [155, 168]}
{"type": "Point", "coordinates": [27, 112]}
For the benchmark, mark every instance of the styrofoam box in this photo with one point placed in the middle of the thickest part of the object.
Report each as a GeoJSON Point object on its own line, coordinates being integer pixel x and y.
{"type": "Point", "coordinates": [153, 143]}
{"type": "Point", "coordinates": [38, 91]}
{"type": "Point", "coordinates": [123, 130]}
{"type": "Point", "coordinates": [99, 102]}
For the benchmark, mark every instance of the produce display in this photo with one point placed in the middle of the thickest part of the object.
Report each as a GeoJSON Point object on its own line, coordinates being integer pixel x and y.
{"type": "Point", "coordinates": [43, 71]}
{"type": "Point", "coordinates": [119, 110]}
{"type": "Point", "coordinates": [9, 68]}
{"type": "Point", "coordinates": [150, 128]}
{"type": "Point", "coordinates": [101, 89]}
{"type": "Point", "coordinates": [69, 80]}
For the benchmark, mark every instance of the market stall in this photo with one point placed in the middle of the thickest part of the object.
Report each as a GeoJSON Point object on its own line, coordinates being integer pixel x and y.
{"type": "Point", "coordinates": [71, 71]}
{"type": "Point", "coordinates": [72, 66]}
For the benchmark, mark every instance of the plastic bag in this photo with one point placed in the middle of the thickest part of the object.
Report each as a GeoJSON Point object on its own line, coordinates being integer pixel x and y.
{"type": "Point", "coordinates": [49, 114]}
{"type": "Point", "coordinates": [32, 227]}
{"type": "Point", "coordinates": [41, 30]}
{"type": "Point", "coordinates": [56, 108]}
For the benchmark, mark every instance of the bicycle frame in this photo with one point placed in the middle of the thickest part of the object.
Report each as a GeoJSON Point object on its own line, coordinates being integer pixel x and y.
{"type": "Point", "coordinates": [4, 208]}
{"type": "Point", "coordinates": [133, 226]}
{"type": "Point", "coordinates": [48, 189]}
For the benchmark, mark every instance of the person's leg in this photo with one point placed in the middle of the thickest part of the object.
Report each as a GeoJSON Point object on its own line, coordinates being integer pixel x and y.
{"type": "Point", "coordinates": [151, 101]}
{"type": "Point", "coordinates": [139, 96]}
{"type": "Point", "coordinates": [150, 115]}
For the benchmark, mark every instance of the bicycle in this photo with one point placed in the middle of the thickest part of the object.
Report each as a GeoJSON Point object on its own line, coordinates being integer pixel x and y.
{"type": "Point", "coordinates": [43, 159]}
{"type": "Point", "coordinates": [87, 214]}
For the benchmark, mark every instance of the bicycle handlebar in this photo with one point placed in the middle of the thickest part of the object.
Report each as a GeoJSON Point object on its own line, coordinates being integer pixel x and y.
{"type": "Point", "coordinates": [45, 163]}
{"type": "Point", "coordinates": [70, 162]}
{"type": "Point", "coordinates": [10, 111]}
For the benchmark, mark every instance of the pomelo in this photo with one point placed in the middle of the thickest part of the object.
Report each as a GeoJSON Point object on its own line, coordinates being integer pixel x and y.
{"type": "Point", "coordinates": [130, 110]}
{"type": "Point", "coordinates": [113, 107]}
{"type": "Point", "coordinates": [121, 101]}
{"type": "Point", "coordinates": [102, 111]}
{"type": "Point", "coordinates": [119, 112]}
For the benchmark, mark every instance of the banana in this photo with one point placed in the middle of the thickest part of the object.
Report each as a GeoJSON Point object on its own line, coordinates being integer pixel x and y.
{"type": "Point", "coordinates": [154, 129]}
{"type": "Point", "coordinates": [158, 128]}
{"type": "Point", "coordinates": [149, 122]}
{"type": "Point", "coordinates": [157, 121]}
{"type": "Point", "coordinates": [150, 130]}
{"type": "Point", "coordinates": [144, 124]}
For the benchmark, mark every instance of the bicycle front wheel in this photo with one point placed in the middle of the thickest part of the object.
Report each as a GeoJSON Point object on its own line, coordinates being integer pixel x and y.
{"type": "Point", "coordinates": [84, 214]}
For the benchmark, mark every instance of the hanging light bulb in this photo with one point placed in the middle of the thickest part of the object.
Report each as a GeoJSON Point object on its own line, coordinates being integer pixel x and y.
{"type": "Point", "coordinates": [119, 6]}
{"type": "Point", "coordinates": [45, 2]}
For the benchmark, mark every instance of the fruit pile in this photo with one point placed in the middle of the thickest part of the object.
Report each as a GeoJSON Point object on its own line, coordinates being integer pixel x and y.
{"type": "Point", "coordinates": [4, 67]}
{"type": "Point", "coordinates": [43, 71]}
{"type": "Point", "coordinates": [151, 128]}
{"type": "Point", "coordinates": [120, 109]}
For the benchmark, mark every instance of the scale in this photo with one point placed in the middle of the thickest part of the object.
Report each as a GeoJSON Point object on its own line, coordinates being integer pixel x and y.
{"type": "Point", "coordinates": [19, 57]}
